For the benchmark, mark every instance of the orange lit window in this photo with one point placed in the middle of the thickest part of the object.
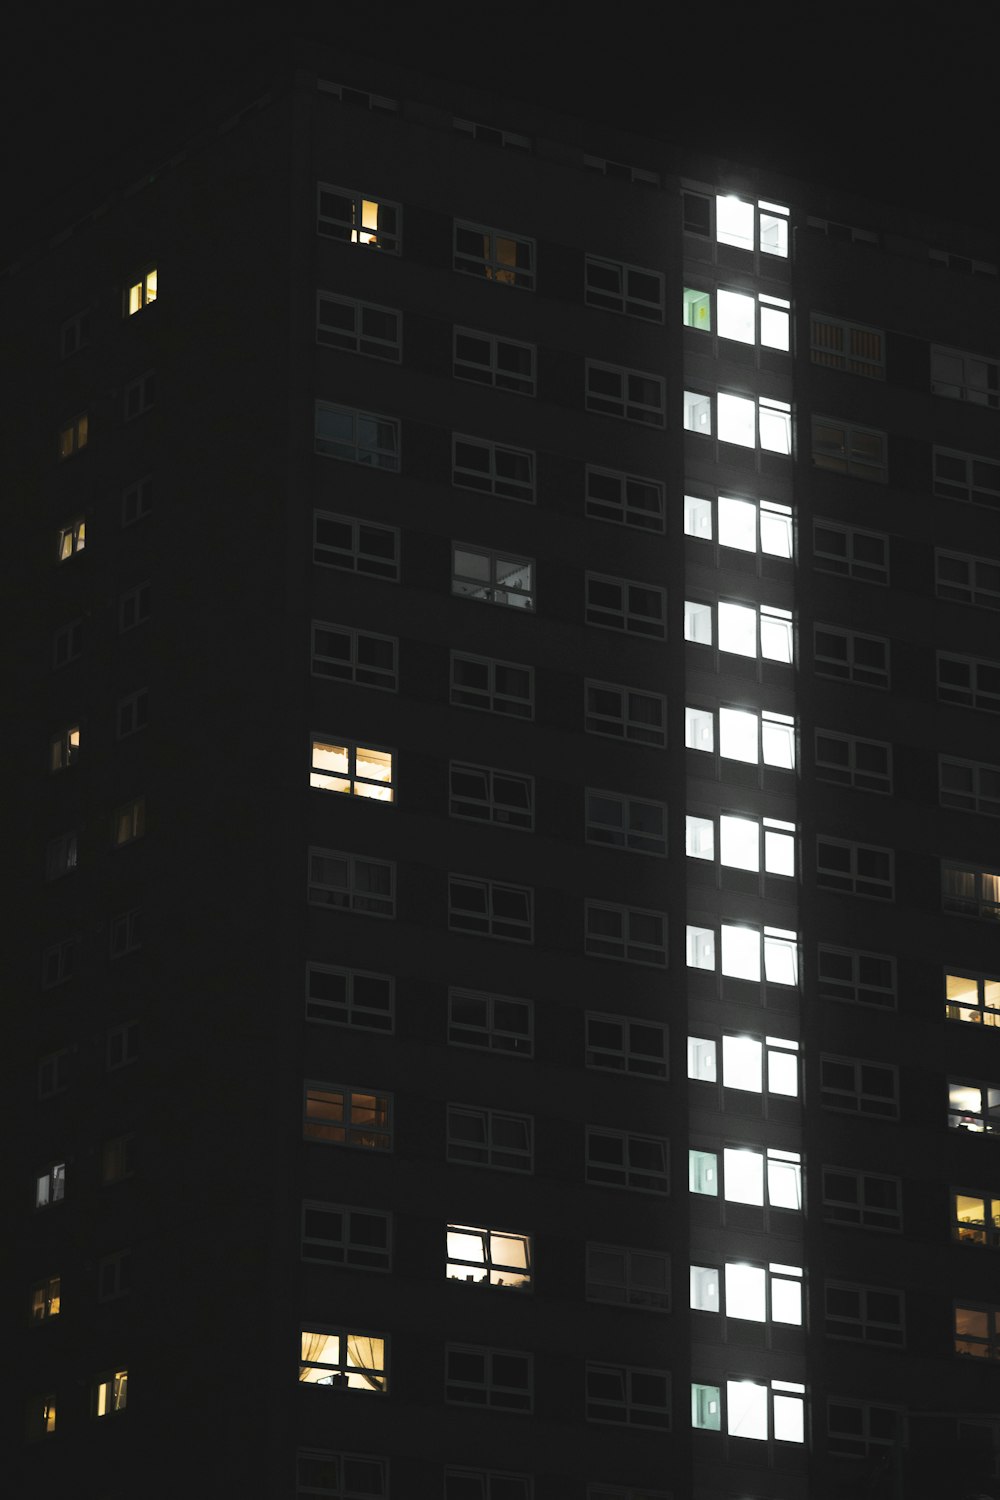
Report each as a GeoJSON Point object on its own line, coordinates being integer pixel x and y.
{"type": "Point", "coordinates": [363, 770]}
{"type": "Point", "coordinates": [348, 1117]}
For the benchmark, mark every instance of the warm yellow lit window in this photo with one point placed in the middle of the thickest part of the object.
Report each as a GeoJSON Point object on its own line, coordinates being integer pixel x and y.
{"type": "Point", "coordinates": [45, 1300]}
{"type": "Point", "coordinates": [348, 1117]}
{"type": "Point", "coordinates": [360, 769]}
{"type": "Point", "coordinates": [48, 1416]}
{"type": "Point", "coordinates": [350, 1361]}
{"type": "Point", "coordinates": [73, 436]}
{"type": "Point", "coordinates": [64, 748]}
{"type": "Point", "coordinates": [488, 1256]}
{"type": "Point", "coordinates": [972, 998]}
{"type": "Point", "coordinates": [142, 293]}
{"type": "Point", "coordinates": [976, 1219]}
{"type": "Point", "coordinates": [72, 539]}
{"type": "Point", "coordinates": [111, 1394]}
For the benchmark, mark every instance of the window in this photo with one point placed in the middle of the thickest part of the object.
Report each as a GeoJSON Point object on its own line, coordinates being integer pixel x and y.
{"type": "Point", "coordinates": [632, 394]}
{"type": "Point", "coordinates": [137, 501]}
{"type": "Point", "coordinates": [764, 844]}
{"type": "Point", "coordinates": [492, 577]}
{"type": "Point", "coordinates": [758, 1294]}
{"type": "Point", "coordinates": [628, 1277]}
{"type": "Point", "coordinates": [974, 1107]}
{"type": "Point", "coordinates": [626, 822]}
{"type": "Point", "coordinates": [746, 952]}
{"type": "Point", "coordinates": [359, 327]}
{"type": "Point", "coordinates": [74, 335]}
{"type": "Point", "coordinates": [498, 1023]}
{"type": "Point", "coordinates": [356, 546]}
{"type": "Point", "coordinates": [490, 360]}
{"type": "Point", "coordinates": [496, 1378]}
{"type": "Point", "coordinates": [495, 254]}
{"type": "Point", "coordinates": [745, 317]}
{"type": "Point", "coordinates": [858, 1087]}
{"type": "Point", "coordinates": [142, 292]}
{"type": "Point", "coordinates": [500, 687]}
{"type": "Point", "coordinates": [850, 552]}
{"type": "Point", "coordinates": [850, 761]}
{"type": "Point", "coordinates": [114, 1276]}
{"type": "Point", "coordinates": [354, 656]}
{"type": "Point", "coordinates": [67, 643]}
{"type": "Point", "coordinates": [750, 735]}
{"type": "Point", "coordinates": [345, 215]}
{"type": "Point", "coordinates": [126, 932]}
{"type": "Point", "coordinates": [966, 476]}
{"type": "Point", "coordinates": [359, 437]}
{"type": "Point", "coordinates": [872, 1315]}
{"type": "Point", "coordinates": [849, 233]}
{"type": "Point", "coordinates": [357, 769]}
{"type": "Point", "coordinates": [71, 539]}
{"type": "Point", "coordinates": [128, 822]}
{"type": "Point", "coordinates": [972, 997]}
{"type": "Point", "coordinates": [616, 1158]}
{"type": "Point", "coordinates": [623, 289]}
{"type": "Point", "coordinates": [623, 1044]}
{"type": "Point", "coordinates": [111, 1394]}
{"type": "Point", "coordinates": [973, 893]}
{"type": "Point", "coordinates": [59, 962]}
{"type": "Point", "coordinates": [860, 978]}
{"type": "Point", "coordinates": [60, 856]}
{"type": "Point", "coordinates": [132, 713]}
{"type": "Point", "coordinates": [133, 607]}
{"type": "Point", "coordinates": [122, 1045]}
{"type": "Point", "coordinates": [749, 423]}
{"type": "Point", "coordinates": [41, 1417]}
{"type": "Point", "coordinates": [621, 170]}
{"type": "Point", "coordinates": [763, 631]}
{"type": "Point", "coordinates": [621, 604]}
{"type": "Point", "coordinates": [349, 1361]}
{"type": "Point", "coordinates": [971, 682]}
{"type": "Point", "coordinates": [493, 467]}
{"type": "Point", "coordinates": [73, 435]}
{"type": "Point", "coordinates": [859, 452]}
{"type": "Point", "coordinates": [861, 869]}
{"type": "Point", "coordinates": [864, 1429]}
{"type": "Point", "coordinates": [628, 933]}
{"type": "Point", "coordinates": [490, 1138]}
{"type": "Point", "coordinates": [45, 1299]}
{"type": "Point", "coordinates": [749, 1176]}
{"type": "Point", "coordinates": [763, 226]}
{"type": "Point", "coordinates": [977, 1332]}
{"type": "Point", "coordinates": [847, 346]}
{"type": "Point", "coordinates": [629, 1396]}
{"type": "Point", "coordinates": [625, 713]}
{"type": "Point", "coordinates": [64, 748]}
{"type": "Point", "coordinates": [970, 785]}
{"type": "Point", "coordinates": [975, 1219]}
{"type": "Point", "coordinates": [746, 1409]}
{"type": "Point", "coordinates": [349, 997]}
{"type": "Point", "coordinates": [488, 1257]}
{"type": "Point", "coordinates": [626, 499]}
{"type": "Point", "coordinates": [852, 657]}
{"type": "Point", "coordinates": [50, 1184]}
{"type": "Point", "coordinates": [140, 396]}
{"type": "Point", "coordinates": [338, 1235]}
{"type": "Point", "coordinates": [493, 137]}
{"type": "Point", "coordinates": [968, 579]}
{"type": "Point", "coordinates": [341, 1476]}
{"type": "Point", "coordinates": [864, 1200]}
{"type": "Point", "coordinates": [965, 377]}
{"type": "Point", "coordinates": [748, 525]}
{"type": "Point", "coordinates": [483, 794]}
{"type": "Point", "coordinates": [117, 1158]}
{"type": "Point", "coordinates": [360, 98]}
{"type": "Point", "coordinates": [342, 1116]}
{"type": "Point", "coordinates": [754, 1063]}
{"type": "Point", "coordinates": [480, 1484]}
{"type": "Point", "coordinates": [491, 909]}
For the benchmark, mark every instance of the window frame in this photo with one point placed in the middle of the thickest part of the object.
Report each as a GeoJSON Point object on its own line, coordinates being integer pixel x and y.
{"type": "Point", "coordinates": [629, 407]}
{"type": "Point", "coordinates": [505, 486]}
{"type": "Point", "coordinates": [490, 924]}
{"type": "Point", "coordinates": [622, 834]}
{"type": "Point", "coordinates": [635, 1292]}
{"type": "Point", "coordinates": [374, 454]}
{"type": "Point", "coordinates": [370, 787]}
{"type": "Point", "coordinates": [853, 1101]}
{"type": "Point", "coordinates": [497, 702]}
{"type": "Point", "coordinates": [624, 1059]}
{"type": "Point", "coordinates": [489, 265]}
{"type": "Point", "coordinates": [633, 1412]}
{"type": "Point", "coordinates": [317, 1130]}
{"type": "Point", "coordinates": [849, 667]}
{"type": "Point", "coordinates": [356, 340]}
{"type": "Point", "coordinates": [861, 779]}
{"type": "Point", "coordinates": [859, 1213]}
{"type": "Point", "coordinates": [595, 943]}
{"type": "Point", "coordinates": [970, 490]}
{"type": "Point", "coordinates": [487, 1150]}
{"type": "Point", "coordinates": [625, 1175]}
{"type": "Point", "coordinates": [845, 356]}
{"type": "Point", "coordinates": [359, 899]}
{"type": "Point", "coordinates": [491, 371]}
{"type": "Point", "coordinates": [501, 588]}
{"type": "Point", "coordinates": [136, 296]}
{"type": "Point", "coordinates": [351, 667]}
{"type": "Point", "coordinates": [846, 456]}
{"type": "Point", "coordinates": [354, 1255]}
{"type": "Point", "coordinates": [633, 729]}
{"type": "Point", "coordinates": [353, 229]}
{"type": "Point", "coordinates": [491, 1267]}
{"type": "Point", "coordinates": [375, 566]}
{"type": "Point", "coordinates": [624, 301]}
{"type": "Point", "coordinates": [619, 509]}
{"type": "Point", "coordinates": [353, 1013]}
{"type": "Point", "coordinates": [625, 616]}
{"type": "Point", "coordinates": [870, 1330]}
{"type": "Point", "coordinates": [848, 564]}
{"type": "Point", "coordinates": [340, 1374]}
{"type": "Point", "coordinates": [497, 1038]}
{"type": "Point", "coordinates": [493, 809]}
{"type": "Point", "coordinates": [496, 1395]}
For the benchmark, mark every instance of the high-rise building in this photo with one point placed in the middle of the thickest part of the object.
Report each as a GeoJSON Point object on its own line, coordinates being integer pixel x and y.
{"type": "Point", "coordinates": [504, 989]}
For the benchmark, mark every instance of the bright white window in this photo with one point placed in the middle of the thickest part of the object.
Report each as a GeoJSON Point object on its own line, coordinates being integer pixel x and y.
{"type": "Point", "coordinates": [743, 734]}
{"type": "Point", "coordinates": [343, 214]}
{"type": "Point", "coordinates": [756, 630]}
{"type": "Point", "coordinates": [749, 1175]}
{"type": "Point", "coordinates": [751, 1410]}
{"type": "Point", "coordinates": [493, 577]}
{"type": "Point", "coordinates": [697, 622]}
{"type": "Point", "coordinates": [745, 843]}
{"type": "Point", "coordinates": [698, 412]}
{"type": "Point", "coordinates": [756, 1064]}
{"type": "Point", "coordinates": [748, 525]}
{"type": "Point", "coordinates": [974, 1107]}
{"type": "Point", "coordinates": [759, 226]}
{"type": "Point", "coordinates": [488, 1257]}
{"type": "Point", "coordinates": [753, 318]}
{"type": "Point", "coordinates": [746, 952]}
{"type": "Point", "coordinates": [758, 1294]}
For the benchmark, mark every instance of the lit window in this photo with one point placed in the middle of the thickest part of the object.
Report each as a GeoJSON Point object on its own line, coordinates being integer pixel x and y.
{"type": "Point", "coordinates": [140, 396]}
{"type": "Point", "coordinates": [125, 932]}
{"type": "Point", "coordinates": [491, 909]}
{"type": "Point", "coordinates": [500, 687]}
{"type": "Point", "coordinates": [347, 1117]}
{"type": "Point", "coordinates": [968, 579]}
{"type": "Point", "coordinates": [142, 292]}
{"type": "Point", "coordinates": [64, 748]}
{"type": "Point", "coordinates": [74, 335]}
{"type": "Point", "coordinates": [626, 822]}
{"type": "Point", "coordinates": [746, 952]}
{"type": "Point", "coordinates": [137, 501]}
{"type": "Point", "coordinates": [111, 1394]}
{"type": "Point", "coordinates": [749, 1176]}
{"type": "Point", "coordinates": [852, 657]}
{"type": "Point", "coordinates": [747, 318]}
{"type": "Point", "coordinates": [972, 997]}
{"type": "Point", "coordinates": [623, 289]}
{"type": "Point", "coordinates": [621, 604]}
{"type": "Point", "coordinates": [762, 631]}
{"type": "Point", "coordinates": [758, 1294]}
{"type": "Point", "coordinates": [498, 1023]}
{"type": "Point", "coordinates": [626, 499]}
{"type": "Point", "coordinates": [489, 1257]}
{"type": "Point", "coordinates": [625, 713]}
{"type": "Point", "coordinates": [50, 1184]}
{"type": "Point", "coordinates": [621, 1159]}
{"type": "Point", "coordinates": [350, 655]}
{"type": "Point", "coordinates": [483, 1484]}
{"type": "Point", "coordinates": [872, 1315]}
{"type": "Point", "coordinates": [490, 1138]}
{"type": "Point", "coordinates": [977, 1331]}
{"type": "Point", "coordinates": [861, 869]}
{"type": "Point", "coordinates": [850, 761]}
{"type": "Point", "coordinates": [765, 844]}
{"type": "Point", "coordinates": [134, 607]}
{"type": "Point", "coordinates": [974, 1107]}
{"type": "Point", "coordinates": [864, 1429]}
{"type": "Point", "coordinates": [749, 735]}
{"type": "Point", "coordinates": [751, 1410]}
{"type": "Point", "coordinates": [628, 1277]}
{"type": "Point", "coordinates": [341, 1476]}
{"type": "Point", "coordinates": [495, 1378]}
{"type": "Point", "coordinates": [973, 893]}
{"type": "Point", "coordinates": [748, 422]}
{"type": "Point", "coordinates": [73, 436]}
{"type": "Point", "coordinates": [847, 346]}
{"type": "Point", "coordinates": [976, 1219]}
{"type": "Point", "coordinates": [628, 933]}
{"type": "Point", "coordinates": [359, 437]}
{"type": "Point", "coordinates": [348, 1361]}
{"type": "Point", "coordinates": [845, 448]}
{"type": "Point", "coordinates": [133, 713]}
{"type": "Point", "coordinates": [622, 1044]}
{"type": "Point", "coordinates": [338, 1235]}
{"type": "Point", "coordinates": [128, 822]}
{"type": "Point", "coordinates": [363, 770]}
{"type": "Point", "coordinates": [60, 856]}
{"type": "Point", "coordinates": [859, 1087]}
{"type": "Point", "coordinates": [71, 539]}
{"type": "Point", "coordinates": [41, 1417]}
{"type": "Point", "coordinates": [967, 476]}
{"type": "Point", "coordinates": [345, 215]}
{"type": "Point", "coordinates": [632, 394]}
{"type": "Point", "coordinates": [493, 467]}
{"type": "Point", "coordinates": [45, 1300]}
{"type": "Point", "coordinates": [698, 412]}
{"type": "Point", "coordinates": [762, 226]}
{"type": "Point", "coordinates": [349, 997]}
{"type": "Point", "coordinates": [753, 1063]}
{"type": "Point", "coordinates": [628, 1396]}
{"type": "Point", "coordinates": [965, 377]}
{"type": "Point", "coordinates": [971, 682]}
{"type": "Point", "coordinates": [352, 882]}
{"type": "Point", "coordinates": [359, 327]}
{"type": "Point", "coordinates": [490, 360]}
{"type": "Point", "coordinates": [495, 254]}
{"type": "Point", "coordinates": [747, 525]}
{"type": "Point", "coordinates": [486, 795]}
{"type": "Point", "coordinates": [860, 978]}
{"type": "Point", "coordinates": [850, 552]}
{"type": "Point", "coordinates": [492, 577]}
{"type": "Point", "coordinates": [356, 546]}
{"type": "Point", "coordinates": [864, 1200]}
